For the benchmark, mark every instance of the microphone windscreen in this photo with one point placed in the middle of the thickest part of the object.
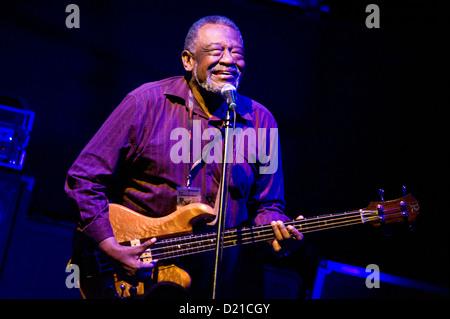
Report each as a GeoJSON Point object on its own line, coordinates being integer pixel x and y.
{"type": "Point", "coordinates": [227, 87]}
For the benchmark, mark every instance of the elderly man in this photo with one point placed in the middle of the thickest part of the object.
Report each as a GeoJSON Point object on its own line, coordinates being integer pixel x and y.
{"type": "Point", "coordinates": [132, 160]}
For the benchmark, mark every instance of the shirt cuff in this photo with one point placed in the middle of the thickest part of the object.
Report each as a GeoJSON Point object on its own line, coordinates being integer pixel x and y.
{"type": "Point", "coordinates": [267, 217]}
{"type": "Point", "coordinates": [99, 230]}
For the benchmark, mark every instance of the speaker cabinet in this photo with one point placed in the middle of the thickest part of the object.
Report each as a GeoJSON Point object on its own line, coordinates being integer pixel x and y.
{"type": "Point", "coordinates": [336, 280]}
{"type": "Point", "coordinates": [15, 127]}
{"type": "Point", "coordinates": [15, 191]}
{"type": "Point", "coordinates": [36, 251]}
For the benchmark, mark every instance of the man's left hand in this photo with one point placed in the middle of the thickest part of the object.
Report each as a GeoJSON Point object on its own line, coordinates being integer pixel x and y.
{"type": "Point", "coordinates": [287, 238]}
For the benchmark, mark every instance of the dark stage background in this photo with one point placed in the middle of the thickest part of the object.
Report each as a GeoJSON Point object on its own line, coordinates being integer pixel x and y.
{"type": "Point", "coordinates": [359, 109]}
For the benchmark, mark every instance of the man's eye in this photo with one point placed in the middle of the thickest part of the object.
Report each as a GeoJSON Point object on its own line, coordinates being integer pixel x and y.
{"type": "Point", "coordinates": [215, 52]}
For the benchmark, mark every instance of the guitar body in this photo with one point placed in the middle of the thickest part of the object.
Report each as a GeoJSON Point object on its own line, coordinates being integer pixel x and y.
{"type": "Point", "coordinates": [129, 227]}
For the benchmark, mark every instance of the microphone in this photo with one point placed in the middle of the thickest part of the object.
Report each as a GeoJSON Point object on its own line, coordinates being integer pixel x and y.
{"type": "Point", "coordinates": [229, 94]}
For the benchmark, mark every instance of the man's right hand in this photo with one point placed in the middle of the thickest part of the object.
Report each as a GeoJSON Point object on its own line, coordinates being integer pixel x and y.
{"type": "Point", "coordinates": [128, 257]}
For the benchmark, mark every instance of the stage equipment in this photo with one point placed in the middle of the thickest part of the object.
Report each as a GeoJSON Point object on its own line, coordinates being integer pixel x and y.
{"type": "Point", "coordinates": [336, 280]}
{"type": "Point", "coordinates": [15, 126]}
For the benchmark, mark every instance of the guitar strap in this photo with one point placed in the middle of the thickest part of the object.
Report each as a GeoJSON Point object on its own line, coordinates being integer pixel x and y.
{"type": "Point", "coordinates": [216, 205]}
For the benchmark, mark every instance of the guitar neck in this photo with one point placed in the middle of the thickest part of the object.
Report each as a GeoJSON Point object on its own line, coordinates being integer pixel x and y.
{"type": "Point", "coordinates": [193, 244]}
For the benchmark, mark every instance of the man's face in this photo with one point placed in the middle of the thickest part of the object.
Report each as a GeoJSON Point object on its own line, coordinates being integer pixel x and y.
{"type": "Point", "coordinates": [218, 57]}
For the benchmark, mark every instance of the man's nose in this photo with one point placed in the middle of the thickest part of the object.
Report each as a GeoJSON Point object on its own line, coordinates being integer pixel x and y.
{"type": "Point", "coordinates": [227, 58]}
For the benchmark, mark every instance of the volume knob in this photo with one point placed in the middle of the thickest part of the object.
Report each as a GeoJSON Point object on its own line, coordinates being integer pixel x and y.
{"type": "Point", "coordinates": [132, 291]}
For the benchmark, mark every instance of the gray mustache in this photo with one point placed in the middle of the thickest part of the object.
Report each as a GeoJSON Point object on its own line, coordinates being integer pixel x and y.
{"type": "Point", "coordinates": [232, 70]}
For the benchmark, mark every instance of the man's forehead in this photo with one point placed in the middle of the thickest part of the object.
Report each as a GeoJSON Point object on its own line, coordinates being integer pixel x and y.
{"type": "Point", "coordinates": [218, 33]}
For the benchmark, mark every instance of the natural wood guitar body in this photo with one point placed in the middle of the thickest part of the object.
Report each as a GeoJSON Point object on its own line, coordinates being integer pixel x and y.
{"type": "Point", "coordinates": [128, 225]}
{"type": "Point", "coordinates": [131, 227]}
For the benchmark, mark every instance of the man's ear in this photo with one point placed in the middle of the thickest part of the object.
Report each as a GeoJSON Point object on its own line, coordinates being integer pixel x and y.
{"type": "Point", "coordinates": [188, 60]}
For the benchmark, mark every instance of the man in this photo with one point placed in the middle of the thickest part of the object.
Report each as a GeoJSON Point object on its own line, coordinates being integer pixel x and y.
{"type": "Point", "coordinates": [134, 159]}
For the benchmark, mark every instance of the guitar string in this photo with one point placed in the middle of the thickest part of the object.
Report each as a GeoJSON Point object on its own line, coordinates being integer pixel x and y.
{"type": "Point", "coordinates": [309, 222]}
{"type": "Point", "coordinates": [200, 239]}
{"type": "Point", "coordinates": [264, 232]}
{"type": "Point", "coordinates": [174, 250]}
{"type": "Point", "coordinates": [260, 233]}
{"type": "Point", "coordinates": [211, 246]}
{"type": "Point", "coordinates": [188, 245]}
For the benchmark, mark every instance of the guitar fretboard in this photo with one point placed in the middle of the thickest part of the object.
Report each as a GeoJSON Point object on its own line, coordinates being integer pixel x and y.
{"type": "Point", "coordinates": [193, 244]}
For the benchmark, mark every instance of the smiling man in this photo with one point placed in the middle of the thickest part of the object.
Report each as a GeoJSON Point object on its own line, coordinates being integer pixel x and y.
{"type": "Point", "coordinates": [214, 55]}
{"type": "Point", "coordinates": [128, 160]}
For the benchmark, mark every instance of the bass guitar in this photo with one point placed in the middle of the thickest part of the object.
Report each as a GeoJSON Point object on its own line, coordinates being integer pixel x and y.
{"type": "Point", "coordinates": [175, 238]}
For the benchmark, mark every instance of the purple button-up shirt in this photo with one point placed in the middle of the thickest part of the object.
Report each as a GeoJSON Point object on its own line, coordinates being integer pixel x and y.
{"type": "Point", "coordinates": [142, 153]}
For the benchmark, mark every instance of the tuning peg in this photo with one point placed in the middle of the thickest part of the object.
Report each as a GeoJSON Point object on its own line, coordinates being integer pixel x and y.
{"type": "Point", "coordinates": [381, 193]}
{"type": "Point", "coordinates": [404, 190]}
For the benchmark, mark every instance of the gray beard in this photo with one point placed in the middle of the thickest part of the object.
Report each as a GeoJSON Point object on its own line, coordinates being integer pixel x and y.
{"type": "Point", "coordinates": [208, 85]}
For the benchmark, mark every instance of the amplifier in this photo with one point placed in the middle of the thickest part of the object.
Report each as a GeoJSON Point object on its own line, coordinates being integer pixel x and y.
{"type": "Point", "coordinates": [335, 280]}
{"type": "Point", "coordinates": [15, 128]}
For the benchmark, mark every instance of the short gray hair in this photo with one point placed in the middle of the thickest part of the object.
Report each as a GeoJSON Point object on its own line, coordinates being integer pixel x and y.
{"type": "Point", "coordinates": [191, 39]}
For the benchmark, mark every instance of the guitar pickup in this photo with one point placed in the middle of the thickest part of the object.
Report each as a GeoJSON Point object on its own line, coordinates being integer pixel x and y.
{"type": "Point", "coordinates": [146, 255]}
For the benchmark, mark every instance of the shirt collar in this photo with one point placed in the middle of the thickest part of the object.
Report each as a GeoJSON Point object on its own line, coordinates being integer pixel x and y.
{"type": "Point", "coordinates": [180, 90]}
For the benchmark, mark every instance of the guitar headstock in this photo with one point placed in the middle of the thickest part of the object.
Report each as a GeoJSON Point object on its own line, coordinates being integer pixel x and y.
{"type": "Point", "coordinates": [404, 209]}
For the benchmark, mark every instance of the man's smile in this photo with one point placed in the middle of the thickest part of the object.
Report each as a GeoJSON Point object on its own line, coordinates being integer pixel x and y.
{"type": "Point", "coordinates": [225, 74]}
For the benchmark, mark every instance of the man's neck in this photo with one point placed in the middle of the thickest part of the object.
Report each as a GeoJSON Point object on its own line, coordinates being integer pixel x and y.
{"type": "Point", "coordinates": [209, 102]}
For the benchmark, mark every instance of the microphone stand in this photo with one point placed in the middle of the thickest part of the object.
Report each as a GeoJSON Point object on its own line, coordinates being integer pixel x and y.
{"type": "Point", "coordinates": [222, 201]}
